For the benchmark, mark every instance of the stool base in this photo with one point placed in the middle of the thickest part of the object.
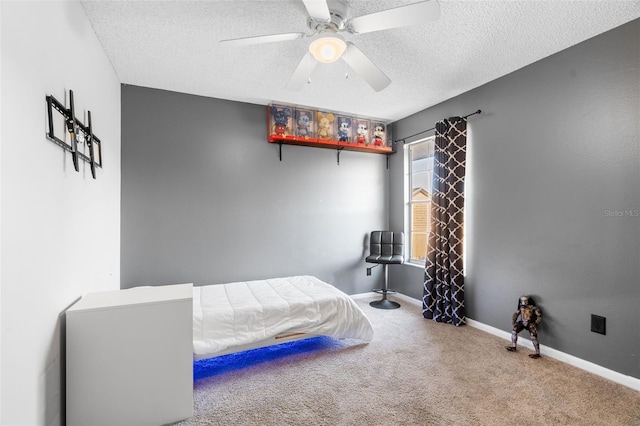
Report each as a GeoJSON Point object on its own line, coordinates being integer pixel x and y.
{"type": "Point", "coordinates": [384, 304]}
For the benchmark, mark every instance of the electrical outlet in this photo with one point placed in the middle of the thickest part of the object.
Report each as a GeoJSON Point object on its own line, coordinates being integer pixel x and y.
{"type": "Point", "coordinates": [598, 324]}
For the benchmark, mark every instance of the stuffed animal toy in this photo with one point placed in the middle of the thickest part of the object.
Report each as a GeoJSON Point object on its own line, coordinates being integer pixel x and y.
{"type": "Point", "coordinates": [379, 135]}
{"type": "Point", "coordinates": [362, 130]}
{"type": "Point", "coordinates": [344, 129]}
{"type": "Point", "coordinates": [281, 120]}
{"type": "Point", "coordinates": [303, 128]}
{"type": "Point", "coordinates": [325, 125]}
{"type": "Point", "coordinates": [528, 316]}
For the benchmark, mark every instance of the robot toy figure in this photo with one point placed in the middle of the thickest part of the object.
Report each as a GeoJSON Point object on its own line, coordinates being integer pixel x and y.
{"type": "Point", "coordinates": [528, 316]}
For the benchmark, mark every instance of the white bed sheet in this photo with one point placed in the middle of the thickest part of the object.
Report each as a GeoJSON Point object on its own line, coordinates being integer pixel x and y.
{"type": "Point", "coordinates": [245, 313]}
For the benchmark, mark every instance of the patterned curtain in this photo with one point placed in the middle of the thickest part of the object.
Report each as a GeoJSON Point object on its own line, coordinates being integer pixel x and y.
{"type": "Point", "coordinates": [443, 299]}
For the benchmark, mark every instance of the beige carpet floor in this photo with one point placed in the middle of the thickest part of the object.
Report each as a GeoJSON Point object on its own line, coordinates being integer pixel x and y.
{"type": "Point", "coordinates": [414, 372]}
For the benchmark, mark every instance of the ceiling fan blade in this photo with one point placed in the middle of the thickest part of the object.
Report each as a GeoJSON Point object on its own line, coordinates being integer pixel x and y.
{"type": "Point", "coordinates": [300, 76]}
{"type": "Point", "coordinates": [247, 41]}
{"type": "Point", "coordinates": [317, 9]}
{"type": "Point", "coordinates": [362, 65]}
{"type": "Point", "coordinates": [402, 16]}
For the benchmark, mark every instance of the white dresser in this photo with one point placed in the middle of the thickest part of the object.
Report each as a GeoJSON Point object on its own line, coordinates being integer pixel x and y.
{"type": "Point", "coordinates": [129, 358]}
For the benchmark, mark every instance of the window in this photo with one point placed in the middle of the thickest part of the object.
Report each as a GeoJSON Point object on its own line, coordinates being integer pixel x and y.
{"type": "Point", "coordinates": [418, 182]}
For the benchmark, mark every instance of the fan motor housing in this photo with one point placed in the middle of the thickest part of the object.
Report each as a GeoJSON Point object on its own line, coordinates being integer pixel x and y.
{"type": "Point", "coordinates": [338, 14]}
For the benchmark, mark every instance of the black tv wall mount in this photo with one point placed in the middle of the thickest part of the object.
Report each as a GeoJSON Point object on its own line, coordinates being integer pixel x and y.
{"type": "Point", "coordinates": [78, 133]}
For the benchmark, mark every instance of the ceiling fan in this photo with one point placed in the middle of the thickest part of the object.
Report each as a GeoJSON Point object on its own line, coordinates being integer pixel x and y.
{"type": "Point", "coordinates": [328, 18]}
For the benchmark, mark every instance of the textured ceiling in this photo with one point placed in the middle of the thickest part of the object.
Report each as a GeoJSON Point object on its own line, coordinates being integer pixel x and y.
{"type": "Point", "coordinates": [173, 45]}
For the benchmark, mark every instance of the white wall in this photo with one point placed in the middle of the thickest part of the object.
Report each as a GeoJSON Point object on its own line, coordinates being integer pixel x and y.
{"type": "Point", "coordinates": [60, 229]}
{"type": "Point", "coordinates": [0, 217]}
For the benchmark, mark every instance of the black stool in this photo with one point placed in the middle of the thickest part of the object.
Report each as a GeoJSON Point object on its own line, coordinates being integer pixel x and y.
{"type": "Point", "coordinates": [385, 247]}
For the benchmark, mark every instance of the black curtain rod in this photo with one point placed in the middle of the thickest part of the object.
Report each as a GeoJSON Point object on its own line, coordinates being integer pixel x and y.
{"type": "Point", "coordinates": [404, 140]}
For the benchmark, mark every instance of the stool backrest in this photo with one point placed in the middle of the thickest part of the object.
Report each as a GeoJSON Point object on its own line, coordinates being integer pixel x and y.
{"type": "Point", "coordinates": [388, 245]}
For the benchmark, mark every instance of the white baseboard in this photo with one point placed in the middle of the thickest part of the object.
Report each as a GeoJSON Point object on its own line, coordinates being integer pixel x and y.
{"type": "Point", "coordinates": [408, 299]}
{"type": "Point", "coordinates": [596, 369]}
{"type": "Point", "coordinates": [399, 296]}
{"type": "Point", "coordinates": [362, 295]}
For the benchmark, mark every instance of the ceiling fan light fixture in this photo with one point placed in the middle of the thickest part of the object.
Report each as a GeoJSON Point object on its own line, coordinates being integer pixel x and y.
{"type": "Point", "coordinates": [327, 49]}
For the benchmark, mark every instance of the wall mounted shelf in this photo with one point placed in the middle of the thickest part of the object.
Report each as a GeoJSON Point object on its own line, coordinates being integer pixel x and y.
{"type": "Point", "coordinates": [338, 146]}
{"type": "Point", "coordinates": [288, 125]}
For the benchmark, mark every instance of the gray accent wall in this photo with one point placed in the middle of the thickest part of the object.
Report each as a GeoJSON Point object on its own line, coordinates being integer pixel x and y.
{"type": "Point", "coordinates": [206, 200]}
{"type": "Point", "coordinates": [553, 197]}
